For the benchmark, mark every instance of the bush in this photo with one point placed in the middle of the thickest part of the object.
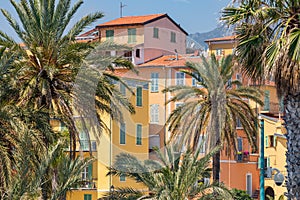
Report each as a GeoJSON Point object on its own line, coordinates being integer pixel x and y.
{"type": "Point", "coordinates": [240, 195]}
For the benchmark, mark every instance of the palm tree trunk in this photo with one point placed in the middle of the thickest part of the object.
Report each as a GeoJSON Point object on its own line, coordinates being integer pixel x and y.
{"type": "Point", "coordinates": [216, 165]}
{"type": "Point", "coordinates": [292, 122]}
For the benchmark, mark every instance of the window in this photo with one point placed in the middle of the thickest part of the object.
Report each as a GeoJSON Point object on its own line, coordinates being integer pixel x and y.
{"type": "Point", "coordinates": [197, 80]}
{"type": "Point", "coordinates": [173, 37]}
{"type": "Point", "coordinates": [272, 141]}
{"type": "Point", "coordinates": [267, 100]}
{"type": "Point", "coordinates": [131, 35]}
{"type": "Point", "coordinates": [87, 172]}
{"type": "Point", "coordinates": [238, 123]}
{"type": "Point", "coordinates": [122, 133]}
{"type": "Point", "coordinates": [138, 134]}
{"type": "Point", "coordinates": [219, 52]}
{"type": "Point", "coordinates": [109, 35]}
{"type": "Point", "coordinates": [266, 162]}
{"type": "Point", "coordinates": [154, 82]}
{"type": "Point", "coordinates": [266, 141]}
{"type": "Point", "coordinates": [123, 89]}
{"type": "Point", "coordinates": [249, 184]}
{"type": "Point", "coordinates": [240, 144]}
{"type": "Point", "coordinates": [180, 78]}
{"type": "Point", "coordinates": [154, 113]}
{"type": "Point", "coordinates": [87, 197]}
{"type": "Point", "coordinates": [128, 55]}
{"type": "Point", "coordinates": [138, 53]}
{"type": "Point", "coordinates": [122, 178]}
{"type": "Point", "coordinates": [84, 141]}
{"type": "Point", "coordinates": [155, 33]}
{"type": "Point", "coordinates": [139, 98]}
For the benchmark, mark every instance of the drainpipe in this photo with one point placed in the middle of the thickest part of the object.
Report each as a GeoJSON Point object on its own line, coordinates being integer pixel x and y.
{"type": "Point", "coordinates": [262, 161]}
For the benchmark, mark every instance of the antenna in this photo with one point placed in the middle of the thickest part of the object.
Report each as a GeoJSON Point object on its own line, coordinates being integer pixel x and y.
{"type": "Point", "coordinates": [121, 9]}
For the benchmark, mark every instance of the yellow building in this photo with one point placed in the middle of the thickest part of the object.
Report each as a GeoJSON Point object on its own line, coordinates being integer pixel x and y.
{"type": "Point", "coordinates": [274, 152]}
{"type": "Point", "coordinates": [129, 135]}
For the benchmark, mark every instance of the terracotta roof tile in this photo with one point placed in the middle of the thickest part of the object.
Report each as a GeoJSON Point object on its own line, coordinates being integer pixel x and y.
{"type": "Point", "coordinates": [226, 38]}
{"type": "Point", "coordinates": [131, 20]}
{"type": "Point", "coordinates": [128, 74]}
{"type": "Point", "coordinates": [170, 61]}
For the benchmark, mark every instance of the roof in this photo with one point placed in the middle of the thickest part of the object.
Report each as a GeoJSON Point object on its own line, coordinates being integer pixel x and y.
{"type": "Point", "coordinates": [171, 61]}
{"type": "Point", "coordinates": [226, 38]}
{"type": "Point", "coordinates": [88, 33]}
{"type": "Point", "coordinates": [128, 74]}
{"type": "Point", "coordinates": [137, 20]}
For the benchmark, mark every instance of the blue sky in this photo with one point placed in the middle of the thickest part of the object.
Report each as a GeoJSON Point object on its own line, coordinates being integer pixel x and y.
{"type": "Point", "coordinates": [192, 15]}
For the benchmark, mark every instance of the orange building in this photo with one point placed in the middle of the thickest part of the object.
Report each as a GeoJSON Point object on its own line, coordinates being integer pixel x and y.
{"type": "Point", "coordinates": [241, 171]}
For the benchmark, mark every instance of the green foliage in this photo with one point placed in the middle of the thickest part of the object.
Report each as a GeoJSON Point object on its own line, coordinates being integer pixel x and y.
{"type": "Point", "coordinates": [215, 105]}
{"type": "Point", "coordinates": [240, 194]}
{"type": "Point", "coordinates": [174, 176]}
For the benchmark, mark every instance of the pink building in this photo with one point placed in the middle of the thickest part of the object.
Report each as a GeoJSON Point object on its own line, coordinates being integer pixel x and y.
{"type": "Point", "coordinates": [150, 36]}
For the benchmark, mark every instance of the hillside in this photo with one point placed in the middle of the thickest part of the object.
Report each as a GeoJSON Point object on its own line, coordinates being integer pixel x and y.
{"type": "Point", "coordinates": [217, 32]}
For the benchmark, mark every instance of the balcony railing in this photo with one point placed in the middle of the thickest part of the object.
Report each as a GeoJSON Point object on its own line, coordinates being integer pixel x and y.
{"type": "Point", "coordinates": [88, 185]}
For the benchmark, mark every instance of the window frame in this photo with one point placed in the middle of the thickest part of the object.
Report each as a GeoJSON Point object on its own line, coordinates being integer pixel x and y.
{"type": "Point", "coordinates": [139, 133]}
{"type": "Point", "coordinates": [178, 80]}
{"type": "Point", "coordinates": [154, 113]}
{"type": "Point", "coordinates": [154, 81]}
{"type": "Point", "coordinates": [109, 34]}
{"type": "Point", "coordinates": [131, 35]}
{"type": "Point", "coordinates": [87, 197]}
{"type": "Point", "coordinates": [139, 96]}
{"type": "Point", "coordinates": [156, 32]}
{"type": "Point", "coordinates": [122, 134]}
{"type": "Point", "coordinates": [173, 37]}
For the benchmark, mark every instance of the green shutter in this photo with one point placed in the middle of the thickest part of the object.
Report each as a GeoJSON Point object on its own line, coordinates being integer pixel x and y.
{"type": "Point", "coordinates": [131, 35]}
{"type": "Point", "coordinates": [87, 197]}
{"type": "Point", "coordinates": [139, 91]}
{"type": "Point", "coordinates": [139, 134]}
{"type": "Point", "coordinates": [122, 133]}
{"type": "Point", "coordinates": [266, 141]}
{"type": "Point", "coordinates": [155, 32]}
{"type": "Point", "coordinates": [268, 162]}
{"type": "Point", "coordinates": [90, 171]}
{"type": "Point", "coordinates": [110, 35]}
{"type": "Point", "coordinates": [173, 37]}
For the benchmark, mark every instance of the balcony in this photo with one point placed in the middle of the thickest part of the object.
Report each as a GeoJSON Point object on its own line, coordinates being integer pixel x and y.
{"type": "Point", "coordinates": [87, 185]}
{"type": "Point", "coordinates": [243, 156]}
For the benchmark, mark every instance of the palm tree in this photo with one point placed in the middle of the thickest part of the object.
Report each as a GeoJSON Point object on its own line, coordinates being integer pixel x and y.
{"type": "Point", "coordinates": [176, 175]}
{"type": "Point", "coordinates": [214, 107]}
{"type": "Point", "coordinates": [29, 179]}
{"type": "Point", "coordinates": [269, 37]}
{"type": "Point", "coordinates": [50, 59]}
{"type": "Point", "coordinates": [45, 74]}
